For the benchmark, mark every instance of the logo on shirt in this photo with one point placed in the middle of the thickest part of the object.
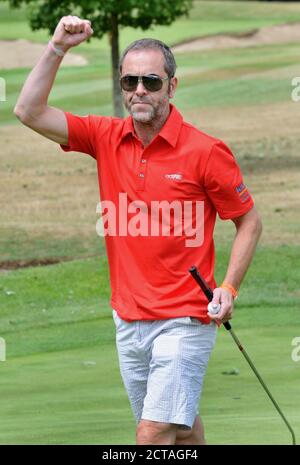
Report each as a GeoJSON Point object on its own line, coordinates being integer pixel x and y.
{"type": "Point", "coordinates": [174, 176]}
{"type": "Point", "coordinates": [242, 192]}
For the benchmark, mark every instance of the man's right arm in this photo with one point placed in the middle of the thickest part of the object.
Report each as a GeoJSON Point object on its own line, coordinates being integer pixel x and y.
{"type": "Point", "coordinates": [32, 107]}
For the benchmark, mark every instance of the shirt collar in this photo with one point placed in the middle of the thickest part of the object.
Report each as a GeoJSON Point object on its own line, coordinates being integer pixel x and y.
{"type": "Point", "coordinates": [169, 131]}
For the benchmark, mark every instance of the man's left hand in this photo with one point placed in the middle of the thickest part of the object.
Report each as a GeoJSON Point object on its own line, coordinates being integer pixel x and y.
{"type": "Point", "coordinates": [224, 298]}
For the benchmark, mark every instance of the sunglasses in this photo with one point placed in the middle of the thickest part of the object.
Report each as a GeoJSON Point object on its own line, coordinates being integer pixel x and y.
{"type": "Point", "coordinates": [151, 82]}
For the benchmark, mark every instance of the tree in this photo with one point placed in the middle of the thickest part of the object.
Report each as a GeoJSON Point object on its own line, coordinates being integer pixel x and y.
{"type": "Point", "coordinates": [107, 16]}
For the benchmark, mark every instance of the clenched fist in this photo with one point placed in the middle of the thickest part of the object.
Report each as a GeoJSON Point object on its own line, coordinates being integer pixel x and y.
{"type": "Point", "coordinates": [71, 31]}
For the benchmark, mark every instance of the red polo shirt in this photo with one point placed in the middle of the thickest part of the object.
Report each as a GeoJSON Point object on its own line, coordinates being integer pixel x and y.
{"type": "Point", "coordinates": [184, 173]}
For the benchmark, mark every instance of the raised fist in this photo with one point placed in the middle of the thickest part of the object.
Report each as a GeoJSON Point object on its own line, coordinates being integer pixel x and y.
{"type": "Point", "coordinates": [71, 31]}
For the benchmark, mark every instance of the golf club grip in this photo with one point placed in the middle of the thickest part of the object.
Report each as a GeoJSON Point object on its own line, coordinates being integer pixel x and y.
{"type": "Point", "coordinates": [202, 283]}
{"type": "Point", "coordinates": [206, 289]}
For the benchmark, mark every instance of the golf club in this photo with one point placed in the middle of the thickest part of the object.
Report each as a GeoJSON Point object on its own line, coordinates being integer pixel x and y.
{"type": "Point", "coordinates": [209, 294]}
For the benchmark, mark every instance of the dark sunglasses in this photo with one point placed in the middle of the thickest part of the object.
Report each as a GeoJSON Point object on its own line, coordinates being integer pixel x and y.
{"type": "Point", "coordinates": [151, 82]}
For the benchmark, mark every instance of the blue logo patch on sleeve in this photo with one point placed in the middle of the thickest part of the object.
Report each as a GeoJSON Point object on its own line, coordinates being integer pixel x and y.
{"type": "Point", "coordinates": [242, 192]}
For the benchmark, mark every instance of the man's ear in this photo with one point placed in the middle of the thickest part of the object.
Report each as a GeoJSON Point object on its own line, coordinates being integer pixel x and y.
{"type": "Point", "coordinates": [172, 86]}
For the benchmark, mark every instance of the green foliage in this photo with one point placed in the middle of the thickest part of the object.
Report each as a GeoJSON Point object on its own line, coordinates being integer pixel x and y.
{"type": "Point", "coordinates": [132, 13]}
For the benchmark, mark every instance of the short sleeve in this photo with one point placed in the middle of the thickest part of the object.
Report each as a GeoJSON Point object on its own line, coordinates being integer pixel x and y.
{"type": "Point", "coordinates": [224, 183]}
{"type": "Point", "coordinates": [82, 133]}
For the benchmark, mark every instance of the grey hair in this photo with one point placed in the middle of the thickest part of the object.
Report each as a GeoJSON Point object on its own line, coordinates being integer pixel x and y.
{"type": "Point", "coordinates": [152, 44]}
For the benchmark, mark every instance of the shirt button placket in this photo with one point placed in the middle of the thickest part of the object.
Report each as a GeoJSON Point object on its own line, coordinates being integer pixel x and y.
{"type": "Point", "coordinates": [142, 173]}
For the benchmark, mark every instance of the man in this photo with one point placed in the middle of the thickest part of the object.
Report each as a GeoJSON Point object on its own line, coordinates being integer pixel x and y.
{"type": "Point", "coordinates": [154, 160]}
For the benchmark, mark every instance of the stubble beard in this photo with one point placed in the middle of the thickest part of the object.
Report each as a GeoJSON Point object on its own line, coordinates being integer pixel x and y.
{"type": "Point", "coordinates": [154, 113]}
{"type": "Point", "coordinates": [143, 116]}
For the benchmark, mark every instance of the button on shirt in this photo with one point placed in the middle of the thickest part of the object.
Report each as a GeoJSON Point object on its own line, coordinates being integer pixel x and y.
{"type": "Point", "coordinates": [159, 210]}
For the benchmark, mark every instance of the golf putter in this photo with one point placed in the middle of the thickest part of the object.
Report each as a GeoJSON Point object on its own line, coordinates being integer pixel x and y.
{"type": "Point", "coordinates": [209, 294]}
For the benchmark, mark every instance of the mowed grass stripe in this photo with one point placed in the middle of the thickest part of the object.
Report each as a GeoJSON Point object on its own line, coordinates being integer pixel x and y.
{"type": "Point", "coordinates": [237, 92]}
{"type": "Point", "coordinates": [63, 396]}
{"type": "Point", "coordinates": [231, 78]}
{"type": "Point", "coordinates": [70, 95]}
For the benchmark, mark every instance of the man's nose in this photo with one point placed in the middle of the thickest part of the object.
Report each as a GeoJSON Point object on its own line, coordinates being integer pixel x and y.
{"type": "Point", "coordinates": [140, 90]}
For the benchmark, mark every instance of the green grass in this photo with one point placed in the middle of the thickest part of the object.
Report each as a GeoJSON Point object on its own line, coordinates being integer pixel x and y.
{"type": "Point", "coordinates": [61, 382]}
{"type": "Point", "coordinates": [18, 243]}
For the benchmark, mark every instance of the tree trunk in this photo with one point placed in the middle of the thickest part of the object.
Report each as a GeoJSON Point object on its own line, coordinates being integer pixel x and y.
{"type": "Point", "coordinates": [117, 95]}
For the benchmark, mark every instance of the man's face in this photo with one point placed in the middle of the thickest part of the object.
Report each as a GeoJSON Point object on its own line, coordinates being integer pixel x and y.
{"type": "Point", "coordinates": [143, 105]}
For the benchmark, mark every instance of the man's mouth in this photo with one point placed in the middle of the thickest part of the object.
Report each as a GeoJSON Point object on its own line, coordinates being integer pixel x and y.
{"type": "Point", "coordinates": [140, 103]}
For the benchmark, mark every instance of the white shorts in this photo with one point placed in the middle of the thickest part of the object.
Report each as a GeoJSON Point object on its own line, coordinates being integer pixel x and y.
{"type": "Point", "coordinates": [163, 363]}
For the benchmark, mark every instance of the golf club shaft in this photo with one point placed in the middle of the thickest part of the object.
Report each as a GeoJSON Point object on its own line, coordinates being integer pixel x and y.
{"type": "Point", "coordinates": [209, 294]}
